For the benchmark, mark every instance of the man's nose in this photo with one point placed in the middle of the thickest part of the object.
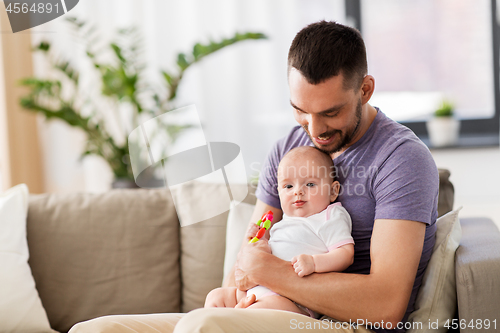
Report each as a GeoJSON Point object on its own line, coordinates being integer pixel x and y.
{"type": "Point", "coordinates": [316, 126]}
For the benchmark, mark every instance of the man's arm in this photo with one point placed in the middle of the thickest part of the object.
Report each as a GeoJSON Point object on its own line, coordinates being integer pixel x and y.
{"type": "Point", "coordinates": [396, 247]}
{"type": "Point", "coordinates": [260, 209]}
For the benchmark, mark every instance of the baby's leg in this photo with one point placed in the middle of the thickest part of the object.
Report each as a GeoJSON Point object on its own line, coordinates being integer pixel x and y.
{"type": "Point", "coordinates": [226, 297]}
{"type": "Point", "coordinates": [277, 302]}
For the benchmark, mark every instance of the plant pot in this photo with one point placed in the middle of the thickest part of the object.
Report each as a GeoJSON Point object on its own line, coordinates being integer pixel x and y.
{"type": "Point", "coordinates": [443, 131]}
{"type": "Point", "coordinates": [144, 183]}
{"type": "Point", "coordinates": [123, 183]}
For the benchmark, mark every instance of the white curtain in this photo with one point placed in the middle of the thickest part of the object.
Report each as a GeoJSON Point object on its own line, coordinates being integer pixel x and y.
{"type": "Point", "coordinates": [241, 92]}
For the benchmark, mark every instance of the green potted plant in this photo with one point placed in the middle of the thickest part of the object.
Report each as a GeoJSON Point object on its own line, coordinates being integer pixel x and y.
{"type": "Point", "coordinates": [443, 127]}
{"type": "Point", "coordinates": [122, 84]}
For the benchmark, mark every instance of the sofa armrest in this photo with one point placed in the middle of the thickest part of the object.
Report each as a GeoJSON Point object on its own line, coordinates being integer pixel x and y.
{"type": "Point", "coordinates": [477, 273]}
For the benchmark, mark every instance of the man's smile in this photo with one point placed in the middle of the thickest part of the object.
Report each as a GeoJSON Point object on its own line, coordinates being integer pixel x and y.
{"type": "Point", "coordinates": [324, 139]}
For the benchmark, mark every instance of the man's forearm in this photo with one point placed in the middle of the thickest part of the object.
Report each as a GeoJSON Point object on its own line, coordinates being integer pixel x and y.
{"type": "Point", "coordinates": [229, 280]}
{"type": "Point", "coordinates": [327, 293]}
{"type": "Point", "coordinates": [383, 295]}
{"type": "Point", "coordinates": [339, 295]}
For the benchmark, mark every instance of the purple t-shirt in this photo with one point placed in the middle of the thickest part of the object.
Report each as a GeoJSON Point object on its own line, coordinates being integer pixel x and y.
{"type": "Point", "coordinates": [387, 174]}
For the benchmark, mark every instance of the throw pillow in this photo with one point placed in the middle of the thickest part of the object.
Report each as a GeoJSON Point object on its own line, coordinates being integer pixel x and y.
{"type": "Point", "coordinates": [21, 309]}
{"type": "Point", "coordinates": [436, 300]}
{"type": "Point", "coordinates": [237, 223]}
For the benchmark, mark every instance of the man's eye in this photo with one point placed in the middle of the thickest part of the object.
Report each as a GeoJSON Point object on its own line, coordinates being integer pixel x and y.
{"type": "Point", "coordinates": [310, 184]}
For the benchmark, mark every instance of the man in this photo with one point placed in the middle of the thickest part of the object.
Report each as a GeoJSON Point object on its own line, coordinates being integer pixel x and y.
{"type": "Point", "coordinates": [389, 186]}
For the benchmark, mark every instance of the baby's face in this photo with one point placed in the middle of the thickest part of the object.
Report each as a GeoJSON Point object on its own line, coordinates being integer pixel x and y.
{"type": "Point", "coordinates": [304, 185]}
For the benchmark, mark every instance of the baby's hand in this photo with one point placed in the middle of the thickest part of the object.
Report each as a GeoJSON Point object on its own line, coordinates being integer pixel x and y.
{"type": "Point", "coordinates": [252, 231]}
{"type": "Point", "coordinates": [303, 264]}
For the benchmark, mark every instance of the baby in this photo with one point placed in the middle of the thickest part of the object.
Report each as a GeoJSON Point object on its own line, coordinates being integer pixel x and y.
{"type": "Point", "coordinates": [314, 235]}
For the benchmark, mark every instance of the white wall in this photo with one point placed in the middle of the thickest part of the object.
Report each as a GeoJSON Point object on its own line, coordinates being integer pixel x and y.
{"type": "Point", "coordinates": [475, 173]}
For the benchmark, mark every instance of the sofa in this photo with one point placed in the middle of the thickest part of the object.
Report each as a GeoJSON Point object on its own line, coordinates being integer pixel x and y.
{"type": "Point", "coordinates": [125, 252]}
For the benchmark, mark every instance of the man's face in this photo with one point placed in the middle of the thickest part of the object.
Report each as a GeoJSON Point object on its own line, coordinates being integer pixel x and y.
{"type": "Point", "coordinates": [329, 114]}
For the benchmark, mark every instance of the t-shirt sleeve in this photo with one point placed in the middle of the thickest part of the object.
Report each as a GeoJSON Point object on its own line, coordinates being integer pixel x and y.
{"type": "Point", "coordinates": [407, 184]}
{"type": "Point", "coordinates": [336, 231]}
{"type": "Point", "coordinates": [267, 188]}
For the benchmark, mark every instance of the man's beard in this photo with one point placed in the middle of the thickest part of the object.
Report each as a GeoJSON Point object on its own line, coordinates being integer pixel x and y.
{"type": "Point", "coordinates": [345, 139]}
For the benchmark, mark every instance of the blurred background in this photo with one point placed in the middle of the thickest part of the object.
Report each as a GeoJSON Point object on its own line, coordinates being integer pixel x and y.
{"type": "Point", "coordinates": [421, 52]}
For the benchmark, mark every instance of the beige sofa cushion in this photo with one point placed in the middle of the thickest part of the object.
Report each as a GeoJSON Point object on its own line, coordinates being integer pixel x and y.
{"type": "Point", "coordinates": [102, 254]}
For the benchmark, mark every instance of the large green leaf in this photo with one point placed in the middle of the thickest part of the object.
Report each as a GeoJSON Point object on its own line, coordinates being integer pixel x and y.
{"type": "Point", "coordinates": [199, 52]}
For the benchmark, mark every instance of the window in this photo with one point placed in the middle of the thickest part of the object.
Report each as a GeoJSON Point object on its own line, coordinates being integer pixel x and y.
{"type": "Point", "coordinates": [424, 51]}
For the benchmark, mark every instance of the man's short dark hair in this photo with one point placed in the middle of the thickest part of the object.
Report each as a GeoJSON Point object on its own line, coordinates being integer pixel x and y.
{"type": "Point", "coordinates": [325, 49]}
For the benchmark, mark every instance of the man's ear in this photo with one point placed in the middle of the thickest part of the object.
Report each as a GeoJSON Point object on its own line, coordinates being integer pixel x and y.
{"type": "Point", "coordinates": [367, 88]}
{"type": "Point", "coordinates": [334, 191]}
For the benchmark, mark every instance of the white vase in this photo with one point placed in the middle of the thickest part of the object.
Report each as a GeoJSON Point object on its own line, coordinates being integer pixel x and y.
{"type": "Point", "coordinates": [443, 131]}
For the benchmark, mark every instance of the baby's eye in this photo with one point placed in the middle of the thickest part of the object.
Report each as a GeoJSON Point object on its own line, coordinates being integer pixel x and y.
{"type": "Point", "coordinates": [288, 186]}
{"type": "Point", "coordinates": [310, 184]}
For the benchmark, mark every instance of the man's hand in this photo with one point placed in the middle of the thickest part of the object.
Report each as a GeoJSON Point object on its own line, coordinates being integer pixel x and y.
{"type": "Point", "coordinates": [250, 258]}
{"type": "Point", "coordinates": [303, 264]}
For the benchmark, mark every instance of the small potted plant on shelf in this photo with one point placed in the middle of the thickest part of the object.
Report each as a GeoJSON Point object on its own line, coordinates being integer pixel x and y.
{"type": "Point", "coordinates": [443, 127]}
